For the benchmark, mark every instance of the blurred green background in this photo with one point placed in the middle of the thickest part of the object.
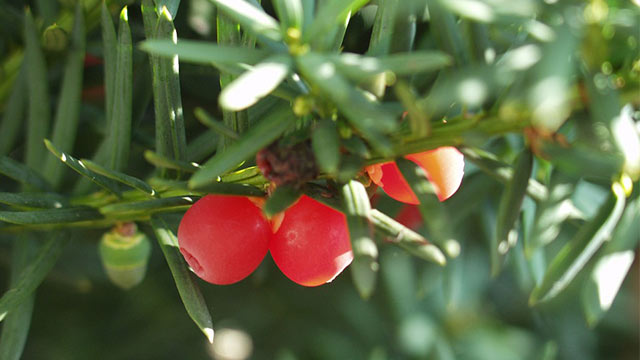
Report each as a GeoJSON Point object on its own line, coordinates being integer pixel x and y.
{"type": "Point", "coordinates": [419, 310]}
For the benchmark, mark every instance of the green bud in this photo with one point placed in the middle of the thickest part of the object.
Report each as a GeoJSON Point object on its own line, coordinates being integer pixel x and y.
{"type": "Point", "coordinates": [125, 254]}
{"type": "Point", "coordinates": [55, 38]}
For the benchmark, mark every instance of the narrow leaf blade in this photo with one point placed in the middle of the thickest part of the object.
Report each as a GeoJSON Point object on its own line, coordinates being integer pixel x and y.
{"type": "Point", "coordinates": [79, 167]}
{"type": "Point", "coordinates": [256, 83]}
{"type": "Point", "coordinates": [574, 255]}
{"type": "Point", "coordinates": [187, 287]}
{"type": "Point", "coordinates": [259, 136]}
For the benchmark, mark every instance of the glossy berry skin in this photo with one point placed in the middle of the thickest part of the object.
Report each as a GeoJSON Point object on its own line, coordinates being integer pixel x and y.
{"type": "Point", "coordinates": [224, 238]}
{"type": "Point", "coordinates": [311, 246]}
{"type": "Point", "coordinates": [444, 167]}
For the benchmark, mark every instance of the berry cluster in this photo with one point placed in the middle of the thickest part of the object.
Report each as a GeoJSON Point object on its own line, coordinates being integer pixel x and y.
{"type": "Point", "coordinates": [224, 238]}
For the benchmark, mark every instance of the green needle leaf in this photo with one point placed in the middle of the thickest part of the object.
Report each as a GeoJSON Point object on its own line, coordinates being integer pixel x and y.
{"type": "Point", "coordinates": [50, 216]}
{"type": "Point", "coordinates": [574, 255]}
{"type": "Point", "coordinates": [329, 14]}
{"type": "Point", "coordinates": [13, 113]}
{"type": "Point", "coordinates": [187, 287]}
{"type": "Point", "coordinates": [256, 83]}
{"type": "Point", "coordinates": [170, 133]}
{"type": "Point", "coordinates": [406, 238]}
{"type": "Point", "coordinates": [110, 53]}
{"type": "Point", "coordinates": [34, 273]}
{"type": "Point", "coordinates": [252, 19]}
{"type": "Point", "coordinates": [418, 118]}
{"type": "Point", "coordinates": [17, 323]}
{"type": "Point", "coordinates": [215, 125]}
{"type": "Point", "coordinates": [200, 52]}
{"type": "Point", "coordinates": [509, 210]}
{"type": "Point", "coordinates": [612, 266]}
{"type": "Point", "coordinates": [281, 199]}
{"type": "Point", "coordinates": [382, 32]}
{"type": "Point", "coordinates": [365, 253]}
{"type": "Point", "coordinates": [231, 189]}
{"type": "Point", "coordinates": [257, 137]}
{"type": "Point", "coordinates": [448, 35]}
{"type": "Point", "coordinates": [326, 146]}
{"type": "Point", "coordinates": [164, 162]}
{"type": "Point", "coordinates": [171, 5]}
{"type": "Point", "coordinates": [363, 113]}
{"type": "Point", "coordinates": [290, 13]}
{"type": "Point", "coordinates": [39, 113]}
{"type": "Point", "coordinates": [79, 167]}
{"type": "Point", "coordinates": [33, 200]}
{"type": "Point", "coordinates": [502, 172]}
{"type": "Point", "coordinates": [359, 67]}
{"type": "Point", "coordinates": [127, 209]}
{"type": "Point", "coordinates": [67, 114]}
{"type": "Point", "coordinates": [120, 123]}
{"type": "Point", "coordinates": [23, 174]}
{"type": "Point", "coordinates": [120, 177]}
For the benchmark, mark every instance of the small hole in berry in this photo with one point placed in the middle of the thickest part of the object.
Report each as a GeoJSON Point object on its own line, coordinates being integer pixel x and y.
{"type": "Point", "coordinates": [193, 262]}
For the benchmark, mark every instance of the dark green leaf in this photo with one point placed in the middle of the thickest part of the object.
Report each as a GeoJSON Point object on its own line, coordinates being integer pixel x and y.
{"type": "Point", "coordinates": [509, 209]}
{"type": "Point", "coordinates": [34, 273]}
{"type": "Point", "coordinates": [325, 142]}
{"type": "Point", "coordinates": [187, 287]}
{"type": "Point", "coordinates": [259, 136]}
{"type": "Point", "coordinates": [365, 252]}
{"type": "Point", "coordinates": [382, 32]}
{"type": "Point", "coordinates": [126, 209]}
{"type": "Point", "coordinates": [120, 123]}
{"type": "Point", "coordinates": [79, 167]}
{"type": "Point", "coordinates": [502, 172]}
{"type": "Point", "coordinates": [283, 197]}
{"type": "Point", "coordinates": [252, 19]}
{"type": "Point", "coordinates": [164, 162]}
{"type": "Point", "coordinates": [110, 54]}
{"type": "Point", "coordinates": [206, 53]}
{"type": "Point", "coordinates": [447, 33]}
{"type": "Point", "coordinates": [120, 177]}
{"type": "Point", "coordinates": [67, 114]}
{"type": "Point", "coordinates": [17, 323]}
{"type": "Point", "coordinates": [39, 113]}
{"type": "Point", "coordinates": [202, 146]}
{"type": "Point", "coordinates": [574, 255]}
{"type": "Point", "coordinates": [23, 174]}
{"type": "Point", "coordinates": [549, 97]}
{"type": "Point", "coordinates": [33, 200]}
{"type": "Point", "coordinates": [418, 119]}
{"type": "Point", "coordinates": [290, 13]}
{"type": "Point", "coordinates": [363, 113]}
{"type": "Point", "coordinates": [231, 189]}
{"type": "Point", "coordinates": [582, 160]}
{"type": "Point", "coordinates": [359, 67]}
{"type": "Point", "coordinates": [214, 124]}
{"type": "Point", "coordinates": [406, 238]}
{"type": "Point", "coordinates": [328, 16]}
{"type": "Point", "coordinates": [171, 5]}
{"type": "Point", "coordinates": [50, 216]}
{"type": "Point", "coordinates": [551, 213]}
{"type": "Point", "coordinates": [14, 112]}
{"type": "Point", "coordinates": [170, 133]}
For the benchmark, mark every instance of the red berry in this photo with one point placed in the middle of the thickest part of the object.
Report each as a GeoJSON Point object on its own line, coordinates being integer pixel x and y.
{"type": "Point", "coordinates": [311, 246]}
{"type": "Point", "coordinates": [444, 168]}
{"type": "Point", "coordinates": [224, 238]}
